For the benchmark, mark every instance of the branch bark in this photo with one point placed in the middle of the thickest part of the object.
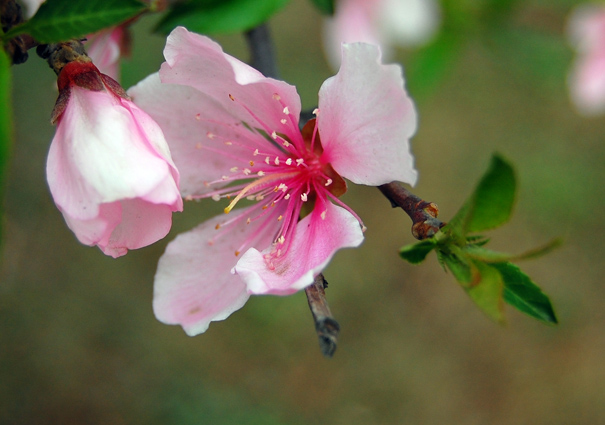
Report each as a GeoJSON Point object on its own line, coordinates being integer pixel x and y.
{"type": "Point", "coordinates": [326, 326]}
{"type": "Point", "coordinates": [423, 214]}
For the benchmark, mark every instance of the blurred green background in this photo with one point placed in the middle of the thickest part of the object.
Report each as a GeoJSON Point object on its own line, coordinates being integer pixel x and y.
{"type": "Point", "coordinates": [79, 343]}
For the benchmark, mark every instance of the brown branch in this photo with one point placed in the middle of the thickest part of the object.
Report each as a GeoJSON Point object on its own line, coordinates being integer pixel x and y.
{"type": "Point", "coordinates": [326, 326]}
{"type": "Point", "coordinates": [423, 214]}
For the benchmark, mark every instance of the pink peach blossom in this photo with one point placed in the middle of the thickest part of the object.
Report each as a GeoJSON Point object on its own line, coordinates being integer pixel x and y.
{"type": "Point", "coordinates": [387, 23]}
{"type": "Point", "coordinates": [235, 134]}
{"type": "Point", "coordinates": [587, 79]}
{"type": "Point", "coordinates": [109, 168]}
{"type": "Point", "coordinates": [106, 47]}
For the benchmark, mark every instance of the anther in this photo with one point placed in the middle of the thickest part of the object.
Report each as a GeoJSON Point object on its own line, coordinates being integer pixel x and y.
{"type": "Point", "coordinates": [251, 163]}
{"type": "Point", "coordinates": [323, 215]}
{"type": "Point", "coordinates": [315, 111]}
{"type": "Point", "coordinates": [276, 160]}
{"type": "Point", "coordinates": [199, 145]}
{"type": "Point", "coordinates": [246, 171]}
{"type": "Point", "coordinates": [260, 173]}
{"type": "Point", "coordinates": [267, 160]}
{"type": "Point", "coordinates": [289, 161]}
{"type": "Point", "coordinates": [218, 226]}
{"type": "Point", "coordinates": [216, 197]}
{"type": "Point", "coordinates": [328, 182]}
{"type": "Point", "coordinates": [233, 169]}
{"type": "Point", "coordinates": [303, 197]}
{"type": "Point", "coordinates": [280, 218]}
{"type": "Point", "coordinates": [210, 135]}
{"type": "Point", "coordinates": [231, 97]}
{"type": "Point", "coordinates": [286, 110]}
{"type": "Point", "coordinates": [276, 96]}
{"type": "Point", "coordinates": [283, 121]}
{"type": "Point", "coordinates": [197, 117]}
{"type": "Point", "coordinates": [299, 161]}
{"type": "Point", "coordinates": [274, 135]}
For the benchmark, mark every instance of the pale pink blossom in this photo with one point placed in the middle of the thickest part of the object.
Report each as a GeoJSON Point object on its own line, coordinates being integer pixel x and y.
{"type": "Point", "coordinates": [106, 47]}
{"type": "Point", "coordinates": [387, 23]}
{"type": "Point", "coordinates": [109, 168]}
{"type": "Point", "coordinates": [587, 79]}
{"type": "Point", "coordinates": [235, 134]}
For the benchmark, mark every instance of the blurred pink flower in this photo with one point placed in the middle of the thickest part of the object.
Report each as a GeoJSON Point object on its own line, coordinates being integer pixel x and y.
{"type": "Point", "coordinates": [586, 31]}
{"type": "Point", "coordinates": [235, 134]}
{"type": "Point", "coordinates": [106, 47]}
{"type": "Point", "coordinates": [386, 23]}
{"type": "Point", "coordinates": [109, 168]}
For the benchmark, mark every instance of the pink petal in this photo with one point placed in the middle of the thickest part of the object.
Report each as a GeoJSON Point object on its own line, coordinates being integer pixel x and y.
{"type": "Point", "coordinates": [193, 284]}
{"type": "Point", "coordinates": [100, 154]}
{"type": "Point", "coordinates": [366, 118]}
{"type": "Point", "coordinates": [196, 61]}
{"type": "Point", "coordinates": [315, 242]}
{"type": "Point", "coordinates": [352, 22]}
{"type": "Point", "coordinates": [104, 48]}
{"type": "Point", "coordinates": [206, 141]}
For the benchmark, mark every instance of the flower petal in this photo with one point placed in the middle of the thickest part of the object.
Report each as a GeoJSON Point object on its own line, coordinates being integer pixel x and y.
{"type": "Point", "coordinates": [206, 141]}
{"type": "Point", "coordinates": [193, 284]}
{"type": "Point", "coordinates": [198, 62]}
{"type": "Point", "coordinates": [318, 236]}
{"type": "Point", "coordinates": [366, 118]}
{"type": "Point", "coordinates": [100, 154]}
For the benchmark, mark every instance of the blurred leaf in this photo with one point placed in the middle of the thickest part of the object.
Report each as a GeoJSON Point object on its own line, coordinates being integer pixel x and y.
{"type": "Point", "coordinates": [525, 295]}
{"type": "Point", "coordinates": [6, 125]}
{"type": "Point", "coordinates": [486, 290]}
{"type": "Point", "coordinates": [219, 16]}
{"type": "Point", "coordinates": [491, 203]}
{"type": "Point", "coordinates": [325, 6]}
{"type": "Point", "coordinates": [416, 253]}
{"type": "Point", "coordinates": [430, 65]}
{"type": "Point", "coordinates": [459, 266]}
{"type": "Point", "coordinates": [538, 59]}
{"type": "Point", "coordinates": [61, 20]}
{"type": "Point", "coordinates": [488, 256]}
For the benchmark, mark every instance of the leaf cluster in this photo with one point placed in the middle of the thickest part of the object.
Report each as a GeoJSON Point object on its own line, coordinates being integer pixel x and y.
{"type": "Point", "coordinates": [488, 277]}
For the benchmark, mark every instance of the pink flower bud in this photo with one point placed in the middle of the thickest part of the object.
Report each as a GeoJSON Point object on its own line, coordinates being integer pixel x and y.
{"type": "Point", "coordinates": [109, 168]}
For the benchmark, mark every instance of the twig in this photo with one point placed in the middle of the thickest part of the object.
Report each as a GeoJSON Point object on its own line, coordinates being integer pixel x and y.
{"type": "Point", "coordinates": [262, 51]}
{"type": "Point", "coordinates": [423, 214]}
{"type": "Point", "coordinates": [326, 326]}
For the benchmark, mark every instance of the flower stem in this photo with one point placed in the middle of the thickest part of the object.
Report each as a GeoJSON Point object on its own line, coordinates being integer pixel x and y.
{"type": "Point", "coordinates": [326, 326]}
{"type": "Point", "coordinates": [423, 214]}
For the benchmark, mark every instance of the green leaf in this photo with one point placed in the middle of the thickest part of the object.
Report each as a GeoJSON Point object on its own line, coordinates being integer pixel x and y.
{"type": "Point", "coordinates": [61, 20]}
{"type": "Point", "coordinates": [416, 253]}
{"type": "Point", "coordinates": [219, 16]}
{"type": "Point", "coordinates": [459, 266]}
{"type": "Point", "coordinates": [525, 295]}
{"type": "Point", "coordinates": [488, 256]}
{"type": "Point", "coordinates": [491, 203]}
{"type": "Point", "coordinates": [486, 290]}
{"type": "Point", "coordinates": [325, 6]}
{"type": "Point", "coordinates": [6, 125]}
